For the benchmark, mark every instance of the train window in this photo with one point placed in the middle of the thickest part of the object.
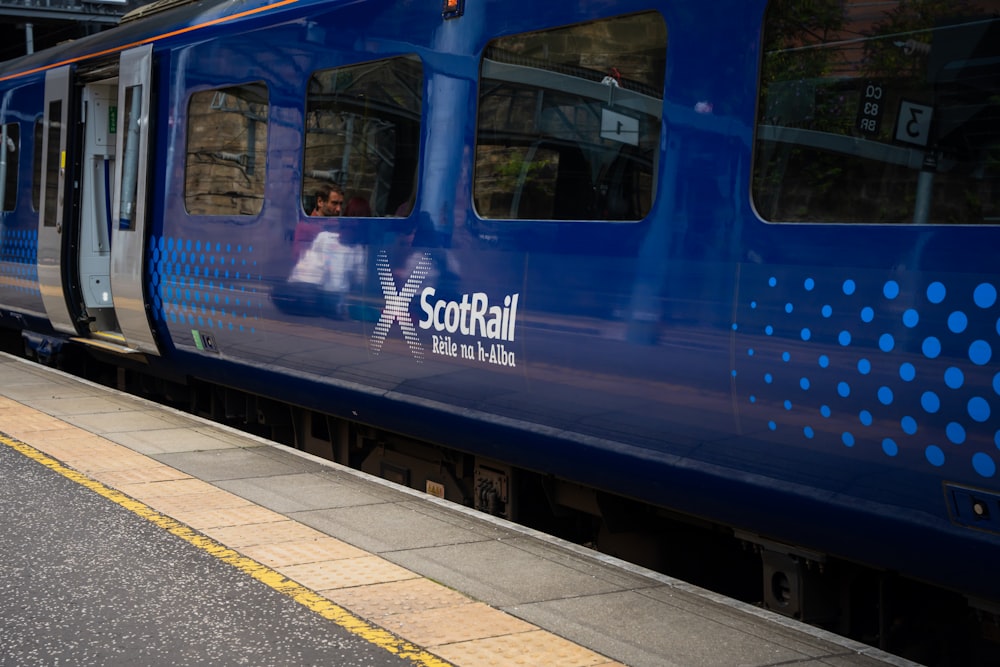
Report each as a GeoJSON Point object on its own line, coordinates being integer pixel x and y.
{"type": "Point", "coordinates": [53, 163]}
{"type": "Point", "coordinates": [569, 121]}
{"type": "Point", "coordinates": [363, 132]}
{"type": "Point", "coordinates": [130, 157]}
{"type": "Point", "coordinates": [36, 166]}
{"type": "Point", "coordinates": [226, 151]}
{"type": "Point", "coordinates": [10, 149]}
{"type": "Point", "coordinates": [884, 112]}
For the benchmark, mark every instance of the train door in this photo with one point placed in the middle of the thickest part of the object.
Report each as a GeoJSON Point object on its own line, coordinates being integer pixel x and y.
{"type": "Point", "coordinates": [55, 137]}
{"type": "Point", "coordinates": [129, 218]}
{"type": "Point", "coordinates": [92, 238]}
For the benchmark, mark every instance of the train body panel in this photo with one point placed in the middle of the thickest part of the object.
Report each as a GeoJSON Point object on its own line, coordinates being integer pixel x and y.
{"type": "Point", "coordinates": [18, 245]}
{"type": "Point", "coordinates": [632, 324]}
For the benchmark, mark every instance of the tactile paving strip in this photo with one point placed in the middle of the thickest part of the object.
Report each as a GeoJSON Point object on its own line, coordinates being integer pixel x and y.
{"type": "Point", "coordinates": [449, 624]}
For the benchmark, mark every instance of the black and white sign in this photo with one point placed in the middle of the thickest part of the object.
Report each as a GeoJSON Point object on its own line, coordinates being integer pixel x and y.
{"type": "Point", "coordinates": [619, 127]}
{"type": "Point", "coordinates": [870, 108]}
{"type": "Point", "coordinates": [913, 124]}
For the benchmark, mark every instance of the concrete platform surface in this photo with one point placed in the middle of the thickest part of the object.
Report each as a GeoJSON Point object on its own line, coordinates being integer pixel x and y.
{"type": "Point", "coordinates": [421, 576]}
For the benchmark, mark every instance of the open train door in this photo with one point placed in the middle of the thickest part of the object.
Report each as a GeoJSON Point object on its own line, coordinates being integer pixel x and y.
{"type": "Point", "coordinates": [130, 206]}
{"type": "Point", "coordinates": [92, 224]}
{"type": "Point", "coordinates": [50, 260]}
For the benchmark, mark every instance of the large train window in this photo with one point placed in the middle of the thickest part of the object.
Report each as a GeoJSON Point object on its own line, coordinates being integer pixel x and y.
{"type": "Point", "coordinates": [363, 132]}
{"type": "Point", "coordinates": [569, 121]}
{"type": "Point", "coordinates": [53, 163]}
{"type": "Point", "coordinates": [226, 163]}
{"type": "Point", "coordinates": [10, 149]}
{"type": "Point", "coordinates": [884, 112]}
{"type": "Point", "coordinates": [36, 166]}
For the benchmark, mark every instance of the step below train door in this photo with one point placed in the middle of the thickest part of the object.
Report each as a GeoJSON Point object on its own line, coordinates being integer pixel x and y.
{"type": "Point", "coordinates": [130, 206]}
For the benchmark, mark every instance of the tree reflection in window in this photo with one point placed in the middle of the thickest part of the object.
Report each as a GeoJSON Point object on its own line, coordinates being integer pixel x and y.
{"type": "Point", "coordinates": [569, 121]}
{"type": "Point", "coordinates": [226, 151]}
{"type": "Point", "coordinates": [879, 112]}
{"type": "Point", "coordinates": [362, 132]}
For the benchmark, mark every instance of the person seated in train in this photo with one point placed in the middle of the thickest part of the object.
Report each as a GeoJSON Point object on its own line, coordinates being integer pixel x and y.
{"type": "Point", "coordinates": [351, 231]}
{"type": "Point", "coordinates": [333, 263]}
{"type": "Point", "coordinates": [329, 200]}
{"type": "Point", "coordinates": [357, 207]}
{"type": "Point", "coordinates": [300, 294]}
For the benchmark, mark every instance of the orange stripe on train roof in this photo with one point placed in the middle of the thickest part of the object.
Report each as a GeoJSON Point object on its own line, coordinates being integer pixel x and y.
{"type": "Point", "coordinates": [147, 40]}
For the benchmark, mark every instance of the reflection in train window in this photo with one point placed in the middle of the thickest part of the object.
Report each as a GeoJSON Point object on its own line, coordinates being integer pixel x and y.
{"type": "Point", "coordinates": [131, 113]}
{"type": "Point", "coordinates": [52, 163]}
{"type": "Point", "coordinates": [569, 121]}
{"type": "Point", "coordinates": [879, 112]}
{"type": "Point", "coordinates": [36, 166]}
{"type": "Point", "coordinates": [363, 133]}
{"type": "Point", "coordinates": [10, 149]}
{"type": "Point", "coordinates": [226, 163]}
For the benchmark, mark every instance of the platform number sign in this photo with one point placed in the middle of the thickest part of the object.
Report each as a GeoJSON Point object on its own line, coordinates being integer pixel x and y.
{"type": "Point", "coordinates": [870, 108]}
{"type": "Point", "coordinates": [913, 124]}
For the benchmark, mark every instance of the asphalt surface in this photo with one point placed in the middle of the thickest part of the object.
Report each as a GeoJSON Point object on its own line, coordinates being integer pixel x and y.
{"type": "Point", "coordinates": [84, 581]}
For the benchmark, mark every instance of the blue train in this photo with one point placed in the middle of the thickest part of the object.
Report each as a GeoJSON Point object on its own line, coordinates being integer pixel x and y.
{"type": "Point", "coordinates": [723, 265]}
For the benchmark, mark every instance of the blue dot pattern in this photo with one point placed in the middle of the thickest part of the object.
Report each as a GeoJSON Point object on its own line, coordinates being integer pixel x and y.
{"type": "Point", "coordinates": [866, 365]}
{"type": "Point", "coordinates": [203, 285]}
{"type": "Point", "coordinates": [19, 260]}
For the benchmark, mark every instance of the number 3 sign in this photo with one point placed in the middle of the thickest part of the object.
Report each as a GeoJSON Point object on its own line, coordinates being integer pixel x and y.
{"type": "Point", "coordinates": [913, 124]}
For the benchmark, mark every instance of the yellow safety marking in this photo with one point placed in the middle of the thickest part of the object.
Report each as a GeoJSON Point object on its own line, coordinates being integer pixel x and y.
{"type": "Point", "coordinates": [148, 40]}
{"type": "Point", "coordinates": [307, 598]}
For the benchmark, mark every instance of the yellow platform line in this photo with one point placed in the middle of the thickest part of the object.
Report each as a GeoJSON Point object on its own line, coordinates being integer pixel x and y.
{"type": "Point", "coordinates": [307, 598]}
{"type": "Point", "coordinates": [412, 609]}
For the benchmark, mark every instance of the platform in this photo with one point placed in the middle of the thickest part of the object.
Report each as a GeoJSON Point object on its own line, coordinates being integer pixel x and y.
{"type": "Point", "coordinates": [428, 581]}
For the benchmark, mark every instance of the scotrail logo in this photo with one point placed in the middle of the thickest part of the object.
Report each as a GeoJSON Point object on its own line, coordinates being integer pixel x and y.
{"type": "Point", "coordinates": [471, 328]}
{"type": "Point", "coordinates": [397, 304]}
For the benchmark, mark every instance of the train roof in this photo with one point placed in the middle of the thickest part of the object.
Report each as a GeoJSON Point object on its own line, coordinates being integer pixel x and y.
{"type": "Point", "coordinates": [143, 25]}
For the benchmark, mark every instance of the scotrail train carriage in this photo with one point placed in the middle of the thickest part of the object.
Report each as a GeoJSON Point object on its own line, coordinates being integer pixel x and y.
{"type": "Point", "coordinates": [727, 265]}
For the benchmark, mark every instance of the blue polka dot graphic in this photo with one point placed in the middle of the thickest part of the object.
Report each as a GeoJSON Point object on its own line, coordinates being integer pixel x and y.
{"type": "Point", "coordinates": [211, 287]}
{"type": "Point", "coordinates": [872, 366]}
{"type": "Point", "coordinates": [19, 261]}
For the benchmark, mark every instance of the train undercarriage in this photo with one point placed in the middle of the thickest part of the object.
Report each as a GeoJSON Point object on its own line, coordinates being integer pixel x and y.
{"type": "Point", "coordinates": [880, 608]}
